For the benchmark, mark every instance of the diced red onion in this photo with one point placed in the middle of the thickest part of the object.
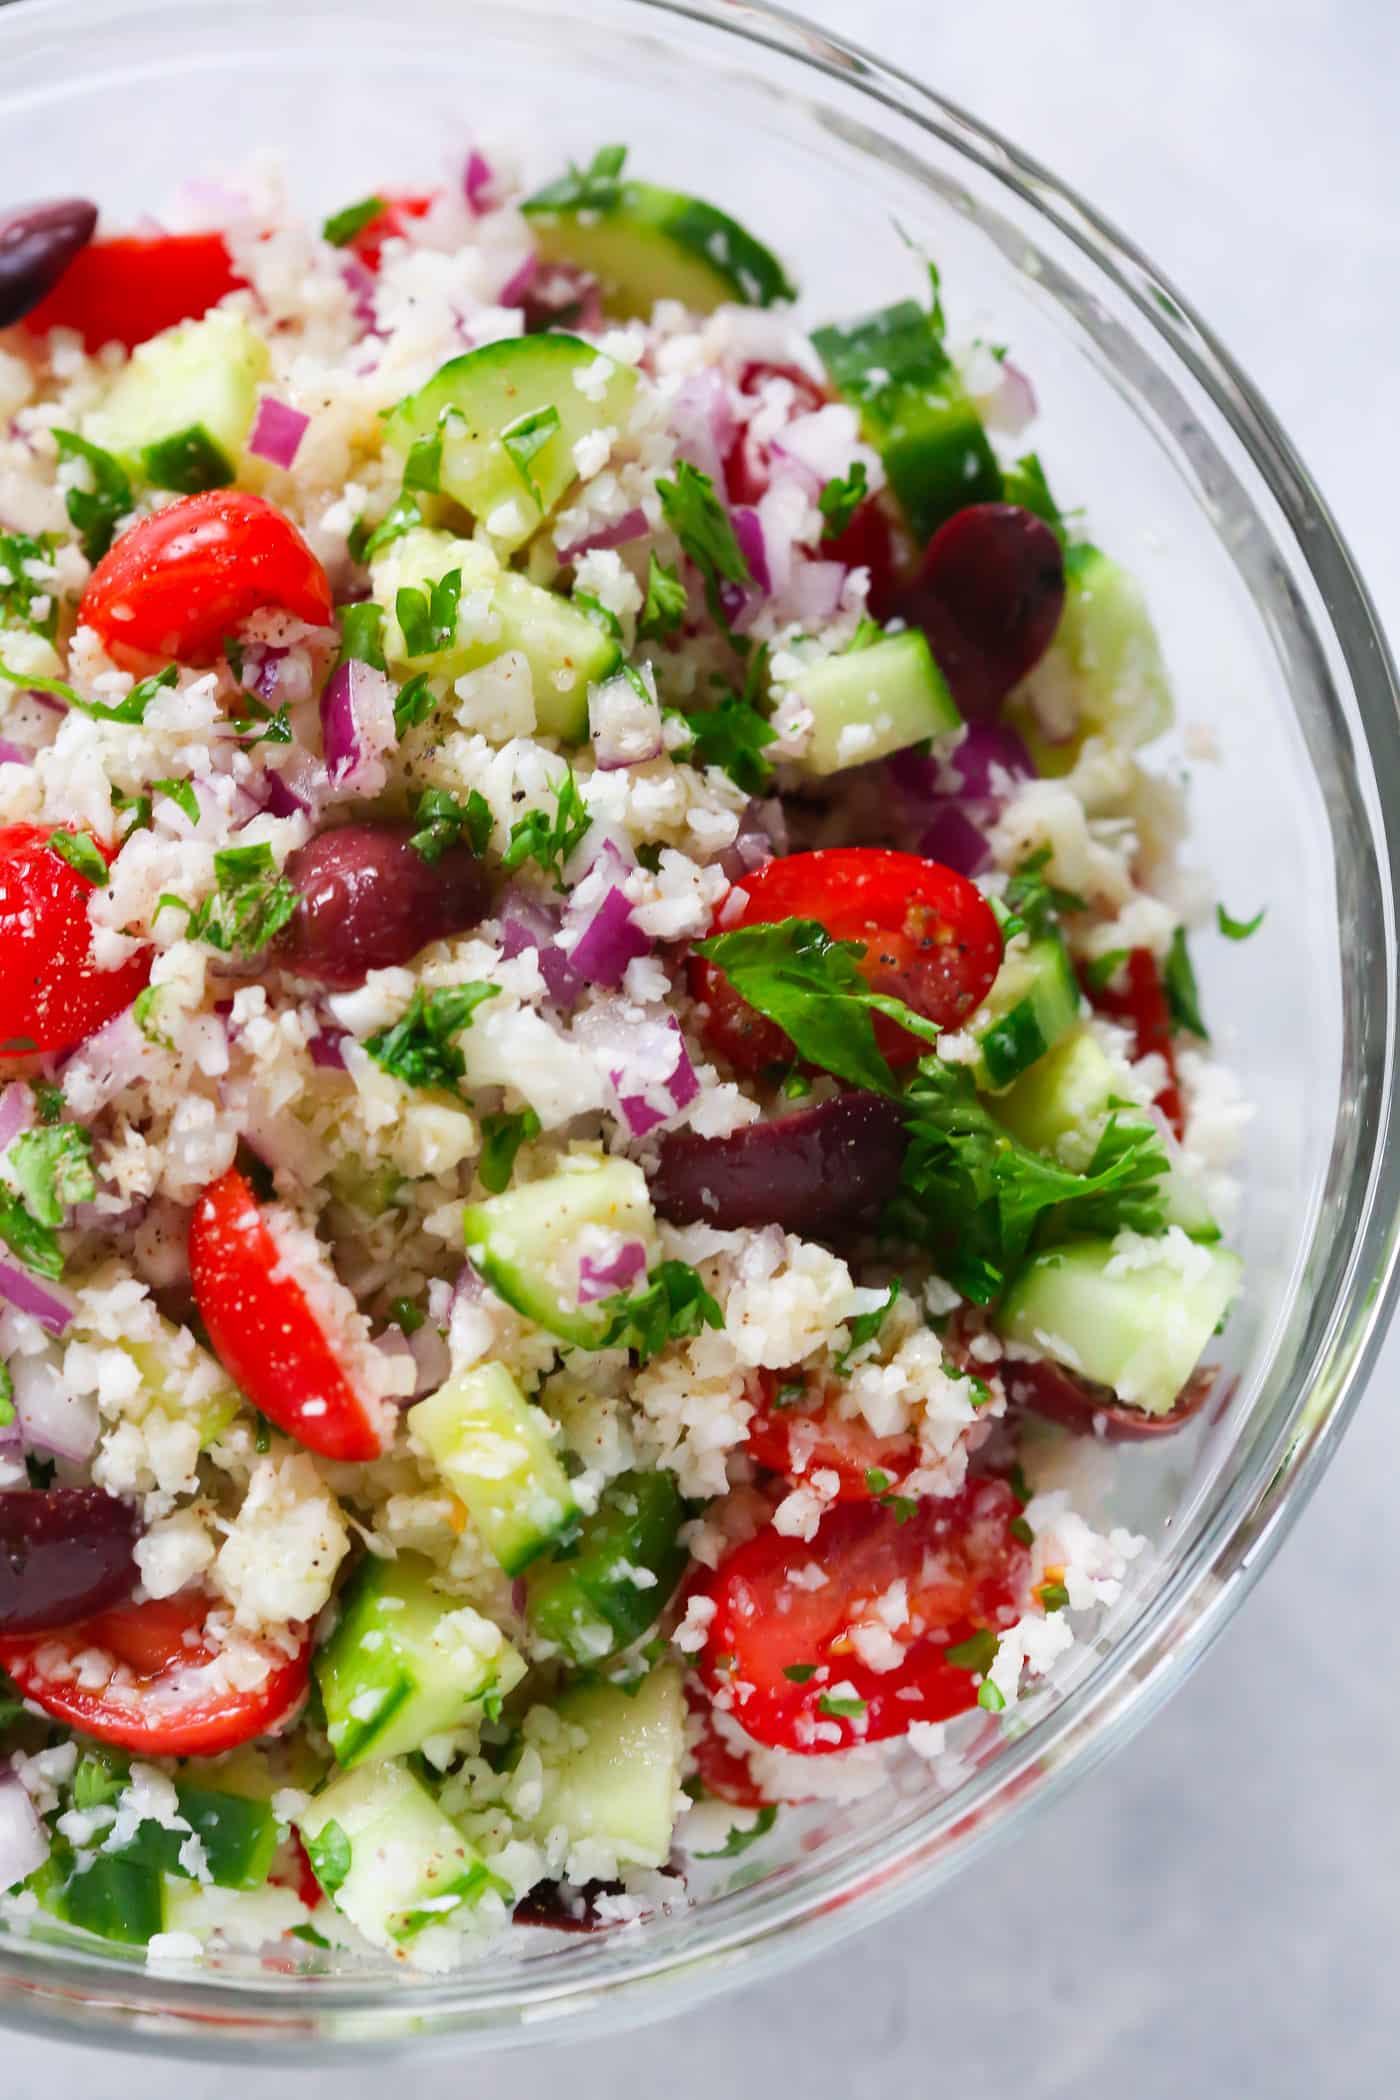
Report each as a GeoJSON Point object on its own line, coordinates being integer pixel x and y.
{"type": "Point", "coordinates": [955, 841]}
{"type": "Point", "coordinates": [14, 754]}
{"type": "Point", "coordinates": [601, 842]}
{"type": "Point", "coordinates": [109, 1061]}
{"type": "Point", "coordinates": [955, 796]}
{"type": "Point", "coordinates": [24, 1842]}
{"type": "Point", "coordinates": [1010, 405]}
{"type": "Point", "coordinates": [477, 179]}
{"type": "Point", "coordinates": [987, 749]}
{"type": "Point", "coordinates": [281, 802]}
{"type": "Point", "coordinates": [748, 531]}
{"type": "Point", "coordinates": [357, 726]}
{"type": "Point", "coordinates": [603, 1279]}
{"type": "Point", "coordinates": [817, 587]}
{"type": "Point", "coordinates": [16, 1111]}
{"type": "Point", "coordinates": [91, 1217]}
{"type": "Point", "coordinates": [822, 445]}
{"type": "Point", "coordinates": [327, 1050]}
{"type": "Point", "coordinates": [625, 725]}
{"type": "Point", "coordinates": [653, 1096]}
{"type": "Point", "coordinates": [52, 1417]}
{"type": "Point", "coordinates": [360, 283]}
{"type": "Point", "coordinates": [277, 432]}
{"type": "Point", "coordinates": [632, 525]}
{"type": "Point", "coordinates": [519, 1596]}
{"type": "Point", "coordinates": [702, 422]}
{"type": "Point", "coordinates": [753, 846]}
{"type": "Point", "coordinates": [608, 943]}
{"type": "Point", "coordinates": [513, 291]}
{"type": "Point", "coordinates": [526, 922]}
{"type": "Point", "coordinates": [426, 1351]}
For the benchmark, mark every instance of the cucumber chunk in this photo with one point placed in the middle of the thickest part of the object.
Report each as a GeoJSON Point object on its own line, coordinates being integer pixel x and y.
{"type": "Point", "coordinates": [892, 367]}
{"type": "Point", "coordinates": [529, 1242]}
{"type": "Point", "coordinates": [532, 397]}
{"type": "Point", "coordinates": [178, 416]}
{"type": "Point", "coordinates": [1139, 1329]}
{"type": "Point", "coordinates": [1061, 1105]}
{"type": "Point", "coordinates": [496, 1452]}
{"type": "Point", "coordinates": [590, 1602]}
{"type": "Point", "coordinates": [867, 703]}
{"type": "Point", "coordinates": [1034, 1001]}
{"type": "Point", "coordinates": [1105, 673]}
{"type": "Point", "coordinates": [643, 244]}
{"type": "Point", "coordinates": [406, 1663]}
{"type": "Point", "coordinates": [620, 1786]}
{"type": "Point", "coordinates": [117, 1897]}
{"type": "Point", "coordinates": [409, 1866]}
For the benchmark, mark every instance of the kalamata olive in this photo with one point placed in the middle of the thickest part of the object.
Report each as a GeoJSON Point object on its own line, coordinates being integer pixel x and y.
{"type": "Point", "coordinates": [64, 1553]}
{"type": "Point", "coordinates": [1095, 1410]}
{"type": "Point", "coordinates": [367, 899]}
{"type": "Point", "coordinates": [988, 594]}
{"type": "Point", "coordinates": [818, 1170]}
{"type": "Point", "coordinates": [37, 243]}
{"type": "Point", "coordinates": [545, 1905]}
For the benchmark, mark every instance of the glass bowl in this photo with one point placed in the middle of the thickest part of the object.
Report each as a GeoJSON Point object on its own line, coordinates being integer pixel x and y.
{"type": "Point", "coordinates": [1273, 646]}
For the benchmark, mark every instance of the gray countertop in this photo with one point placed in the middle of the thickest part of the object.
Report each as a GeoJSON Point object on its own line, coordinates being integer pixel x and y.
{"type": "Point", "coordinates": [1217, 1912]}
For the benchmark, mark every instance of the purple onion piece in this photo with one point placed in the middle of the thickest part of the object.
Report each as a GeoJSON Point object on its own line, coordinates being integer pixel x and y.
{"type": "Point", "coordinates": [477, 180]}
{"type": "Point", "coordinates": [14, 754]}
{"type": "Point", "coordinates": [603, 1279]}
{"type": "Point", "coordinates": [47, 1303]}
{"type": "Point", "coordinates": [277, 432]}
{"type": "Point", "coordinates": [955, 841]}
{"type": "Point", "coordinates": [609, 942]}
{"type": "Point", "coordinates": [632, 525]}
{"type": "Point", "coordinates": [819, 1171]}
{"type": "Point", "coordinates": [748, 531]}
{"type": "Point", "coordinates": [327, 1049]}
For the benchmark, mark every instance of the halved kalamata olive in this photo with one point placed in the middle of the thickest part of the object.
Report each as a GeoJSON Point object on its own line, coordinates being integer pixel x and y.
{"type": "Point", "coordinates": [64, 1554]}
{"type": "Point", "coordinates": [817, 1170]}
{"type": "Point", "coordinates": [546, 1905]}
{"type": "Point", "coordinates": [1095, 1410]}
{"type": "Point", "coordinates": [37, 243]}
{"type": "Point", "coordinates": [988, 594]}
{"type": "Point", "coordinates": [367, 900]}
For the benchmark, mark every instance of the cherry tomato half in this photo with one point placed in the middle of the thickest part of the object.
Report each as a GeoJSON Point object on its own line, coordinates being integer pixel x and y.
{"type": "Point", "coordinates": [802, 1434]}
{"type": "Point", "coordinates": [52, 994]}
{"type": "Point", "coordinates": [389, 224]}
{"type": "Point", "coordinates": [963, 1568]}
{"type": "Point", "coordinates": [129, 289]}
{"type": "Point", "coordinates": [264, 1331]}
{"type": "Point", "coordinates": [1141, 1005]}
{"type": "Point", "coordinates": [930, 939]}
{"type": "Point", "coordinates": [722, 1772]}
{"type": "Point", "coordinates": [168, 1694]}
{"type": "Point", "coordinates": [182, 580]}
{"type": "Point", "coordinates": [870, 542]}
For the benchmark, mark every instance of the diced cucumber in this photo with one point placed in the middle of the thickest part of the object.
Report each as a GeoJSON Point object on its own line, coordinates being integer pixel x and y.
{"type": "Point", "coordinates": [620, 1786]}
{"type": "Point", "coordinates": [528, 1243]}
{"type": "Point", "coordinates": [178, 416]}
{"type": "Point", "coordinates": [1137, 1328]}
{"type": "Point", "coordinates": [1034, 1001]}
{"type": "Point", "coordinates": [370, 1190]}
{"type": "Point", "coordinates": [590, 1600]}
{"type": "Point", "coordinates": [409, 1866]}
{"type": "Point", "coordinates": [1106, 665]}
{"type": "Point", "coordinates": [239, 1836]}
{"type": "Point", "coordinates": [914, 410]}
{"type": "Point", "coordinates": [1061, 1105]}
{"type": "Point", "coordinates": [116, 1897]}
{"type": "Point", "coordinates": [406, 1663]}
{"type": "Point", "coordinates": [509, 416]}
{"type": "Point", "coordinates": [496, 1452]}
{"type": "Point", "coordinates": [867, 703]}
{"type": "Point", "coordinates": [643, 244]}
{"type": "Point", "coordinates": [596, 1426]}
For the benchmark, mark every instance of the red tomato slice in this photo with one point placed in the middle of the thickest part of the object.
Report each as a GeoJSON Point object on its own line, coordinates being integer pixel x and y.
{"type": "Point", "coordinates": [52, 994]}
{"type": "Point", "coordinates": [129, 289]}
{"type": "Point", "coordinates": [869, 542]}
{"type": "Point", "coordinates": [298, 1874]}
{"type": "Point", "coordinates": [930, 938]}
{"type": "Point", "coordinates": [807, 1435]}
{"type": "Point", "coordinates": [747, 465]}
{"type": "Point", "coordinates": [388, 225]}
{"type": "Point", "coordinates": [182, 580]}
{"type": "Point", "coordinates": [264, 1331]}
{"type": "Point", "coordinates": [1141, 1005]}
{"type": "Point", "coordinates": [722, 1772]}
{"type": "Point", "coordinates": [168, 1694]}
{"type": "Point", "coordinates": [964, 1570]}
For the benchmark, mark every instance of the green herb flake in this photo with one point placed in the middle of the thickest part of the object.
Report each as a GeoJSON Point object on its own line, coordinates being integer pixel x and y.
{"type": "Point", "coordinates": [801, 1673]}
{"type": "Point", "coordinates": [864, 1328]}
{"type": "Point", "coordinates": [81, 852]}
{"type": "Point", "coordinates": [419, 1048]}
{"type": "Point", "coordinates": [95, 512]}
{"type": "Point", "coordinates": [406, 1316]}
{"type": "Point", "coordinates": [100, 1777]}
{"type": "Point", "coordinates": [841, 499]}
{"type": "Point", "coordinates": [365, 540]}
{"type": "Point", "coordinates": [1035, 904]}
{"type": "Point", "coordinates": [362, 634]}
{"type": "Point", "coordinates": [976, 1654]}
{"type": "Point", "coordinates": [878, 1483]}
{"type": "Point", "coordinates": [1238, 929]}
{"type": "Point", "coordinates": [732, 736]}
{"type": "Point", "coordinates": [1025, 484]}
{"type": "Point", "coordinates": [414, 704]}
{"type": "Point", "coordinates": [330, 1857]}
{"type": "Point", "coordinates": [423, 467]}
{"type": "Point", "coordinates": [524, 439]}
{"type": "Point", "coordinates": [30, 601]}
{"type": "Point", "coordinates": [1179, 984]}
{"type": "Point", "coordinates": [1100, 973]}
{"type": "Point", "coordinates": [594, 188]}
{"type": "Point", "coordinates": [1021, 1531]}
{"type": "Point", "coordinates": [130, 712]}
{"type": "Point", "coordinates": [182, 794]}
{"type": "Point", "coordinates": [740, 1840]}
{"type": "Point", "coordinates": [673, 1306]}
{"type": "Point", "coordinates": [442, 822]}
{"type": "Point", "coordinates": [7, 1397]}
{"type": "Point", "coordinates": [502, 1136]}
{"type": "Point", "coordinates": [550, 840]}
{"type": "Point", "coordinates": [52, 1169]}
{"type": "Point", "coordinates": [50, 1100]}
{"type": "Point", "coordinates": [342, 226]}
{"type": "Point", "coordinates": [705, 530]}
{"type": "Point", "coordinates": [310, 1935]}
{"type": "Point", "coordinates": [253, 904]}
{"type": "Point", "coordinates": [665, 606]}
{"type": "Point", "coordinates": [867, 633]}
{"type": "Point", "coordinates": [990, 1697]}
{"type": "Point", "coordinates": [429, 618]}
{"type": "Point", "coordinates": [1053, 1595]}
{"type": "Point", "coordinates": [841, 1708]}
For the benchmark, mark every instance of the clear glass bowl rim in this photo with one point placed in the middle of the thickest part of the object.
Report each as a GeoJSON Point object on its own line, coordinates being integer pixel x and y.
{"type": "Point", "coordinates": [142, 2009]}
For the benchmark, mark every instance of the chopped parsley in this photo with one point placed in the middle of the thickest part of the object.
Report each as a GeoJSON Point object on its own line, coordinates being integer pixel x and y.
{"type": "Point", "coordinates": [342, 226]}
{"type": "Point", "coordinates": [366, 540]}
{"type": "Point", "coordinates": [130, 711]}
{"type": "Point", "coordinates": [253, 903]}
{"type": "Point", "coordinates": [1053, 1595]}
{"type": "Point", "coordinates": [706, 532]}
{"type": "Point", "coordinates": [182, 794]}
{"type": "Point", "coordinates": [867, 633]}
{"type": "Point", "coordinates": [672, 1306]}
{"type": "Point", "coordinates": [99, 1777]}
{"type": "Point", "coordinates": [7, 1397]}
{"type": "Point", "coordinates": [526, 437]}
{"type": "Point", "coordinates": [502, 1136]}
{"type": "Point", "coordinates": [547, 840]}
{"type": "Point", "coordinates": [362, 634]}
{"type": "Point", "coordinates": [1021, 1531]}
{"type": "Point", "coordinates": [50, 1100]}
{"type": "Point", "coordinates": [81, 852]}
{"type": "Point", "coordinates": [839, 1707]}
{"type": "Point", "coordinates": [423, 467]}
{"type": "Point", "coordinates": [732, 736]}
{"type": "Point", "coordinates": [23, 599]}
{"type": "Point", "coordinates": [330, 1857]}
{"type": "Point", "coordinates": [52, 1169]}
{"type": "Point", "coordinates": [1237, 929]}
{"type": "Point", "coordinates": [442, 821]}
{"type": "Point", "coordinates": [864, 1328]}
{"type": "Point", "coordinates": [406, 1316]}
{"type": "Point", "coordinates": [977, 1653]}
{"type": "Point", "coordinates": [1026, 485]}
{"type": "Point", "coordinates": [800, 1673]}
{"type": "Point", "coordinates": [1100, 973]}
{"type": "Point", "coordinates": [1179, 984]}
{"type": "Point", "coordinates": [94, 513]}
{"type": "Point", "coordinates": [1034, 903]}
{"type": "Point", "coordinates": [990, 1697]}
{"type": "Point", "coordinates": [429, 618]}
{"type": "Point", "coordinates": [414, 704]}
{"type": "Point", "coordinates": [841, 499]}
{"type": "Point", "coordinates": [666, 601]}
{"type": "Point", "coordinates": [740, 1840]}
{"type": "Point", "coordinates": [594, 188]}
{"type": "Point", "coordinates": [419, 1048]}
{"type": "Point", "coordinates": [34, 1244]}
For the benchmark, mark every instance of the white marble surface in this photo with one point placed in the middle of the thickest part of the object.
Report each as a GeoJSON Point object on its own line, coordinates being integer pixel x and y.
{"type": "Point", "coordinates": [1217, 1913]}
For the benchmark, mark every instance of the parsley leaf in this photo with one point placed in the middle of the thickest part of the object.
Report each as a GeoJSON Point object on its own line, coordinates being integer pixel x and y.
{"type": "Point", "coordinates": [1026, 485]}
{"type": "Point", "coordinates": [414, 704]}
{"type": "Point", "coordinates": [132, 710]}
{"type": "Point", "coordinates": [366, 540]}
{"type": "Point", "coordinates": [1053, 1596]}
{"type": "Point", "coordinates": [502, 1136]}
{"type": "Point", "coordinates": [253, 904]}
{"type": "Point", "coordinates": [1238, 929]}
{"type": "Point", "coordinates": [443, 821]}
{"type": "Point", "coordinates": [704, 528]}
{"type": "Point", "coordinates": [94, 513]}
{"type": "Point", "coordinates": [429, 618]}
{"type": "Point", "coordinates": [182, 794]}
{"type": "Point", "coordinates": [666, 602]}
{"type": "Point", "coordinates": [406, 1316]}
{"type": "Point", "coordinates": [978, 1652]}
{"type": "Point", "coordinates": [1179, 984]}
{"type": "Point", "coordinates": [732, 736]}
{"type": "Point", "coordinates": [362, 634]}
{"type": "Point", "coordinates": [419, 1048]}
{"type": "Point", "coordinates": [81, 852]}
{"type": "Point", "coordinates": [794, 973]}
{"type": "Point", "coordinates": [22, 1233]}
{"type": "Point", "coordinates": [342, 226]}
{"type": "Point", "coordinates": [550, 840]}
{"type": "Point", "coordinates": [423, 467]}
{"type": "Point", "coordinates": [330, 1856]}
{"type": "Point", "coordinates": [839, 1707]}
{"type": "Point", "coordinates": [527, 436]}
{"type": "Point", "coordinates": [22, 595]}
{"type": "Point", "coordinates": [1035, 904]}
{"type": "Point", "coordinates": [594, 188]}
{"type": "Point", "coordinates": [800, 1673]}
{"type": "Point", "coordinates": [7, 1415]}
{"type": "Point", "coordinates": [841, 499]}
{"type": "Point", "coordinates": [740, 1840]}
{"type": "Point", "coordinates": [52, 1169]}
{"type": "Point", "coordinates": [49, 1099]}
{"type": "Point", "coordinates": [1100, 973]}
{"type": "Point", "coordinates": [864, 1328]}
{"type": "Point", "coordinates": [672, 1306]}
